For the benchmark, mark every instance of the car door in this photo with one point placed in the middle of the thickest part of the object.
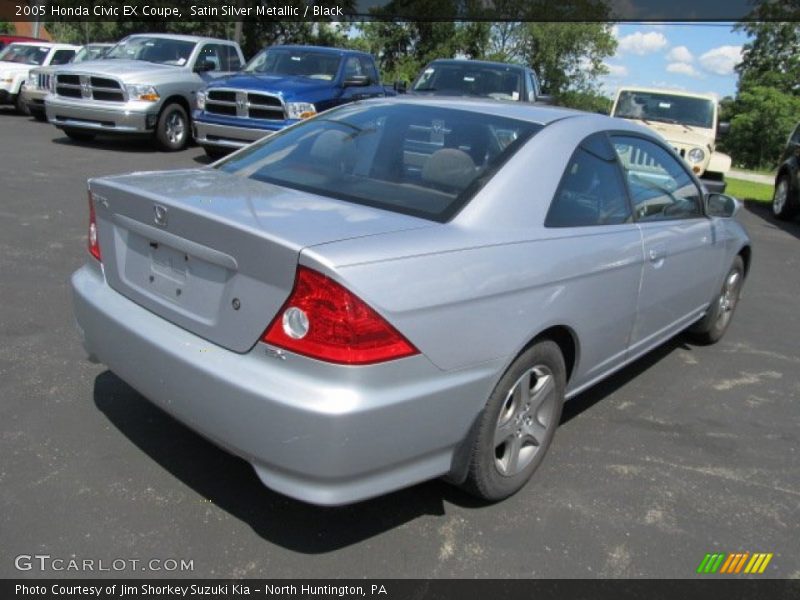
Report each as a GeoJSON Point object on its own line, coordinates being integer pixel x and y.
{"type": "Point", "coordinates": [682, 255]}
{"type": "Point", "coordinates": [597, 248]}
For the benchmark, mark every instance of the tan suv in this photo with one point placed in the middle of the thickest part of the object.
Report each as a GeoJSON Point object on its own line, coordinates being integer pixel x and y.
{"type": "Point", "coordinates": [688, 121]}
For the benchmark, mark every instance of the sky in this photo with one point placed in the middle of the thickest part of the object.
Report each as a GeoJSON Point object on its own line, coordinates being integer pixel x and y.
{"type": "Point", "coordinates": [697, 57]}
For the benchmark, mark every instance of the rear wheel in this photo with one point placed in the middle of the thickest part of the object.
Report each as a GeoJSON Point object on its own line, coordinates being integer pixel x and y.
{"type": "Point", "coordinates": [783, 205]}
{"type": "Point", "coordinates": [519, 421]}
{"type": "Point", "coordinates": [711, 328]}
{"type": "Point", "coordinates": [79, 136]}
{"type": "Point", "coordinates": [172, 130]}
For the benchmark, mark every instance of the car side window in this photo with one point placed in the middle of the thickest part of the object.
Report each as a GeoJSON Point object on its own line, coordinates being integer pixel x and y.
{"type": "Point", "coordinates": [353, 68]}
{"type": "Point", "coordinates": [531, 94]}
{"type": "Point", "coordinates": [62, 57]}
{"type": "Point", "coordinates": [234, 63]}
{"type": "Point", "coordinates": [659, 186]}
{"type": "Point", "coordinates": [591, 192]}
{"type": "Point", "coordinates": [795, 139]}
{"type": "Point", "coordinates": [368, 68]}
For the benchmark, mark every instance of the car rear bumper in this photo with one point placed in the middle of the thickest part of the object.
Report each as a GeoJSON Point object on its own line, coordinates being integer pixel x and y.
{"type": "Point", "coordinates": [130, 117]}
{"type": "Point", "coordinates": [322, 433]}
{"type": "Point", "coordinates": [229, 136]}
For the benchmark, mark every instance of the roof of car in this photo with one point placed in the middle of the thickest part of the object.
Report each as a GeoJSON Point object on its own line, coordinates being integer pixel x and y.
{"type": "Point", "coordinates": [184, 38]}
{"type": "Point", "coordinates": [481, 63]}
{"type": "Point", "coordinates": [328, 49]}
{"type": "Point", "coordinates": [46, 44]}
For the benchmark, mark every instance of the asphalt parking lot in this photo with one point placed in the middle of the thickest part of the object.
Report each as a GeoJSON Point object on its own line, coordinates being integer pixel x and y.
{"type": "Point", "coordinates": [690, 450]}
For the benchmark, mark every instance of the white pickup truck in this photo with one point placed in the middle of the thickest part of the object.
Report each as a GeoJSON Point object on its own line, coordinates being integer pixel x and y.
{"type": "Point", "coordinates": [17, 60]}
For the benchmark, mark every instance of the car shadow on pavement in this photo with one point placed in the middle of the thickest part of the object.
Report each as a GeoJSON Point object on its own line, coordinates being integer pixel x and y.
{"type": "Point", "coordinates": [763, 210]}
{"type": "Point", "coordinates": [231, 484]}
{"type": "Point", "coordinates": [118, 143]}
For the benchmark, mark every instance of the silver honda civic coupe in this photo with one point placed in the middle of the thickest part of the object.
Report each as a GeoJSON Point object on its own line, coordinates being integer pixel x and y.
{"type": "Point", "coordinates": [403, 289]}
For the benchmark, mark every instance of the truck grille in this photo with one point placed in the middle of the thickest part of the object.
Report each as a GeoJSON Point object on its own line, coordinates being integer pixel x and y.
{"type": "Point", "coordinates": [245, 105]}
{"type": "Point", "coordinates": [89, 87]}
{"type": "Point", "coordinates": [43, 81]}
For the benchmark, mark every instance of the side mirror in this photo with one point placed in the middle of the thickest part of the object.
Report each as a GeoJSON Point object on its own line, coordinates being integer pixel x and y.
{"type": "Point", "coordinates": [357, 81]}
{"type": "Point", "coordinates": [721, 205]}
{"type": "Point", "coordinates": [204, 66]}
{"type": "Point", "coordinates": [544, 99]}
{"type": "Point", "coordinates": [400, 86]}
{"type": "Point", "coordinates": [723, 128]}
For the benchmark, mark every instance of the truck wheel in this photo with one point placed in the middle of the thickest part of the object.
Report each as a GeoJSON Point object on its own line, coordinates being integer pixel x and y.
{"type": "Point", "coordinates": [20, 105]}
{"type": "Point", "coordinates": [172, 130]}
{"type": "Point", "coordinates": [79, 136]}
{"type": "Point", "coordinates": [783, 205]}
{"type": "Point", "coordinates": [515, 429]}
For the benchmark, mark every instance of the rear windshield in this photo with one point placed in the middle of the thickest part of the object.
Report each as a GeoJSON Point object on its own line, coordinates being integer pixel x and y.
{"type": "Point", "coordinates": [163, 51]}
{"type": "Point", "coordinates": [408, 158]}
{"type": "Point", "coordinates": [300, 63]}
{"type": "Point", "coordinates": [25, 54]}
{"type": "Point", "coordinates": [470, 79]}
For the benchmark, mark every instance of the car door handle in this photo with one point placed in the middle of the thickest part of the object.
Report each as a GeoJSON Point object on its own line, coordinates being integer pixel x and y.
{"type": "Point", "coordinates": [656, 253]}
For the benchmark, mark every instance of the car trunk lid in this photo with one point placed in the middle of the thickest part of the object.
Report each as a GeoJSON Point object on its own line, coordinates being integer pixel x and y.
{"type": "Point", "coordinates": [216, 253]}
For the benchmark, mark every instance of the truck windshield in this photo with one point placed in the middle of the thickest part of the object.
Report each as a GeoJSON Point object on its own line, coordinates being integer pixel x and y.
{"type": "Point", "coordinates": [470, 79]}
{"type": "Point", "coordinates": [301, 63]}
{"type": "Point", "coordinates": [25, 54]}
{"type": "Point", "coordinates": [90, 52]}
{"type": "Point", "coordinates": [163, 51]}
{"type": "Point", "coordinates": [667, 108]}
{"type": "Point", "coordinates": [425, 161]}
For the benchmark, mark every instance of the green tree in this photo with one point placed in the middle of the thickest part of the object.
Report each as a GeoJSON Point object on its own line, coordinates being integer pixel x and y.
{"type": "Point", "coordinates": [6, 27]}
{"type": "Point", "coordinates": [763, 118]}
{"type": "Point", "coordinates": [772, 56]}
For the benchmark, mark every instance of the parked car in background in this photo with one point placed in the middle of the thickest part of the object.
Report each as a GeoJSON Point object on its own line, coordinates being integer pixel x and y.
{"type": "Point", "coordinates": [146, 84]}
{"type": "Point", "coordinates": [5, 39]}
{"type": "Point", "coordinates": [688, 121]}
{"type": "Point", "coordinates": [37, 86]}
{"type": "Point", "coordinates": [280, 86]}
{"type": "Point", "coordinates": [17, 60]}
{"type": "Point", "coordinates": [478, 78]}
{"type": "Point", "coordinates": [786, 198]}
{"type": "Point", "coordinates": [351, 320]}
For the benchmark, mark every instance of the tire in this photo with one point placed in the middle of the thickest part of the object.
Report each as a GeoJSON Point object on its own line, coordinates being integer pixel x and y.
{"type": "Point", "coordinates": [77, 135]}
{"type": "Point", "coordinates": [215, 153]}
{"type": "Point", "coordinates": [173, 128]}
{"type": "Point", "coordinates": [711, 328]}
{"type": "Point", "coordinates": [515, 429]}
{"type": "Point", "coordinates": [20, 106]}
{"type": "Point", "coordinates": [783, 205]}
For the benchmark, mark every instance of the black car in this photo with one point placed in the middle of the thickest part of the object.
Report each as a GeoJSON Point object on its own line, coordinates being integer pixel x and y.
{"type": "Point", "coordinates": [501, 81]}
{"type": "Point", "coordinates": [786, 199]}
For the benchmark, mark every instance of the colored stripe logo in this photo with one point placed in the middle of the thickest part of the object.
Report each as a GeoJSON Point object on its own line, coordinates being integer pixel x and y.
{"type": "Point", "coordinates": [735, 563]}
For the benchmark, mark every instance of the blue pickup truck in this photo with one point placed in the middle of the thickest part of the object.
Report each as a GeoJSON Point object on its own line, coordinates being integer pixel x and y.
{"type": "Point", "coordinates": [278, 87]}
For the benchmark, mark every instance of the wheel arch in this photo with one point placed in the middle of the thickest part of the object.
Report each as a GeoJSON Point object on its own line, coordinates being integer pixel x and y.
{"type": "Point", "coordinates": [177, 99]}
{"type": "Point", "coordinates": [746, 253]}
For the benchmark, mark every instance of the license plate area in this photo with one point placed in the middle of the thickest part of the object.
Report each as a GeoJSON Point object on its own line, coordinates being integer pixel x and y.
{"type": "Point", "coordinates": [175, 278]}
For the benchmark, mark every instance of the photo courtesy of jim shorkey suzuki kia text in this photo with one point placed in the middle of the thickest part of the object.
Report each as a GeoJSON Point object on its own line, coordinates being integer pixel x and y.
{"type": "Point", "coordinates": [123, 590]}
{"type": "Point", "coordinates": [177, 11]}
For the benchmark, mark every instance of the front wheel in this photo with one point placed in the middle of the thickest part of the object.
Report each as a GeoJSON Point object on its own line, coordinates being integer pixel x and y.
{"type": "Point", "coordinates": [711, 328]}
{"type": "Point", "coordinates": [519, 421]}
{"type": "Point", "coordinates": [783, 206]}
{"type": "Point", "coordinates": [172, 130]}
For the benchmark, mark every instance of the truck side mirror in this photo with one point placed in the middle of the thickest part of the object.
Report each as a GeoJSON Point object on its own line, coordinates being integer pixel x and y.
{"type": "Point", "coordinates": [723, 128]}
{"type": "Point", "coordinates": [400, 86]}
{"type": "Point", "coordinates": [204, 66]}
{"type": "Point", "coordinates": [544, 99]}
{"type": "Point", "coordinates": [357, 81]}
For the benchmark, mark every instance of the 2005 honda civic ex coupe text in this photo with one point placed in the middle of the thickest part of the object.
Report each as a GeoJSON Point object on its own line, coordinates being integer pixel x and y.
{"type": "Point", "coordinates": [401, 289]}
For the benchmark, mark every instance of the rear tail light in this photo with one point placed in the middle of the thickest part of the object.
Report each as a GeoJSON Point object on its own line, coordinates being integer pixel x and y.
{"type": "Point", "coordinates": [323, 320]}
{"type": "Point", "coordinates": [94, 243]}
